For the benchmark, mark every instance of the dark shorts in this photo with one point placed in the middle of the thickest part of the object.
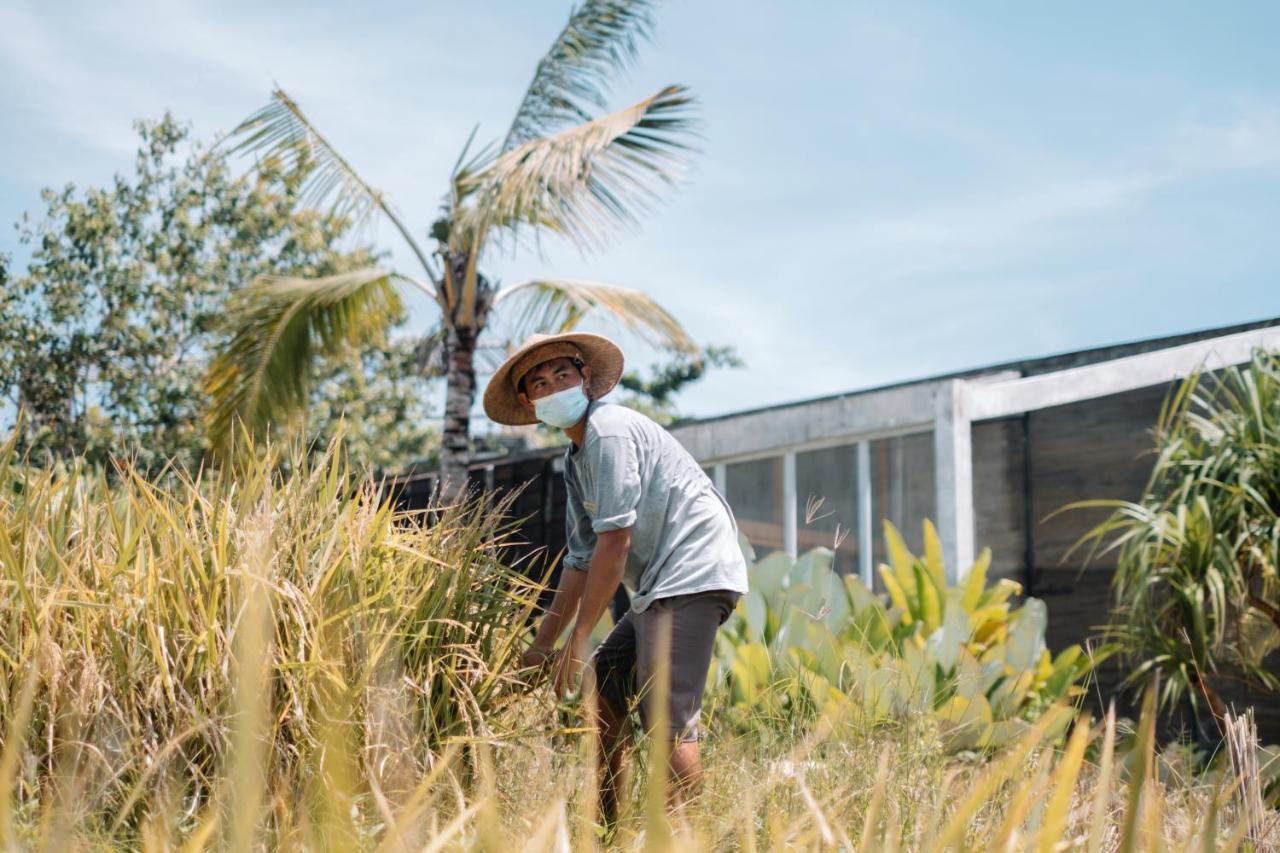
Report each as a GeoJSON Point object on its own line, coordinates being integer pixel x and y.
{"type": "Point", "coordinates": [625, 662]}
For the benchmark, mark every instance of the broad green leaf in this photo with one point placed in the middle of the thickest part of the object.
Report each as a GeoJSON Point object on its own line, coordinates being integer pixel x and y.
{"type": "Point", "coordinates": [899, 557]}
{"type": "Point", "coordinates": [933, 555]}
{"type": "Point", "coordinates": [976, 582]}
{"type": "Point", "coordinates": [927, 595]}
{"type": "Point", "coordinates": [946, 642]}
{"type": "Point", "coordinates": [1026, 639]}
{"type": "Point", "coordinates": [896, 594]}
{"type": "Point", "coordinates": [966, 722]}
{"type": "Point", "coordinates": [757, 613]}
{"type": "Point", "coordinates": [770, 575]}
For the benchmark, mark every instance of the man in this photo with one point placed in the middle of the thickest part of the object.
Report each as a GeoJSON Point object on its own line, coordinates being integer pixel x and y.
{"type": "Point", "coordinates": [640, 509]}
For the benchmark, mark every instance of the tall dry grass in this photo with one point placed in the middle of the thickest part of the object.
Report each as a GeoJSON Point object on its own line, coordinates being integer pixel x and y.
{"type": "Point", "coordinates": [239, 656]}
{"type": "Point", "coordinates": [261, 661]}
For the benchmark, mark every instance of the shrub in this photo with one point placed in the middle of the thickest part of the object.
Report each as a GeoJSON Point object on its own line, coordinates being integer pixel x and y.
{"type": "Point", "coordinates": [806, 641]}
{"type": "Point", "coordinates": [1196, 590]}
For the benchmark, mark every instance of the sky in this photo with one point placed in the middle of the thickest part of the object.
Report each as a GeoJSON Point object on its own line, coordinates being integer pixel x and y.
{"type": "Point", "coordinates": [883, 191]}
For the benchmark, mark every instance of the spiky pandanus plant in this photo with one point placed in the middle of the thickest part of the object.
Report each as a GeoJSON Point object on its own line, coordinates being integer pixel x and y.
{"type": "Point", "coordinates": [1197, 589]}
{"type": "Point", "coordinates": [557, 171]}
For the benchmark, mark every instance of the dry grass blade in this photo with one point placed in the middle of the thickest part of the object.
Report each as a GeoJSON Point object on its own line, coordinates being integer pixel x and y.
{"type": "Point", "coordinates": [1064, 786]}
{"type": "Point", "coordinates": [252, 733]}
{"type": "Point", "coordinates": [15, 734]}
{"type": "Point", "coordinates": [995, 776]}
{"type": "Point", "coordinates": [871, 820]}
{"type": "Point", "coordinates": [1102, 784]}
{"type": "Point", "coordinates": [1140, 772]}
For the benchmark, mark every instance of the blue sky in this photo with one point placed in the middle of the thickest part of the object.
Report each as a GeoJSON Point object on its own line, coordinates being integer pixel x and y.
{"type": "Point", "coordinates": [885, 191]}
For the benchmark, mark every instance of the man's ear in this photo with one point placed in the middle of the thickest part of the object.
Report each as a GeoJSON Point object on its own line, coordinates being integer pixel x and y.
{"type": "Point", "coordinates": [524, 400]}
{"type": "Point", "coordinates": [586, 379]}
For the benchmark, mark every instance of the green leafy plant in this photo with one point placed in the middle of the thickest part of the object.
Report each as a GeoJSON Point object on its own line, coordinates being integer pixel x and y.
{"type": "Point", "coordinates": [806, 641]}
{"type": "Point", "coordinates": [1196, 592]}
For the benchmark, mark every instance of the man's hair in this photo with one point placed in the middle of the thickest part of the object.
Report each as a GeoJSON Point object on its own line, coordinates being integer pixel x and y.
{"type": "Point", "coordinates": [577, 363]}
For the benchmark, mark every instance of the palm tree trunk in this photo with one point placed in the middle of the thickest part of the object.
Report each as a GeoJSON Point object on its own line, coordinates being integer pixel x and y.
{"type": "Point", "coordinates": [460, 395]}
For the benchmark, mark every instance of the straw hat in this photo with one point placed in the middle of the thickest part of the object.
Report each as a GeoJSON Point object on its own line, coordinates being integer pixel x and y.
{"type": "Point", "coordinates": [501, 397]}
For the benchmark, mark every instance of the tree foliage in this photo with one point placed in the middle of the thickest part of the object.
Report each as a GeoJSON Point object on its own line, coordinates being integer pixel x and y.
{"type": "Point", "coordinates": [105, 337]}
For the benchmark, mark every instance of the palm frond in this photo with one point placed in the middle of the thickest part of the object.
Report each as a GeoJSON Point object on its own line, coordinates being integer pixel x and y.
{"type": "Point", "coordinates": [601, 38]}
{"type": "Point", "coordinates": [559, 305]}
{"type": "Point", "coordinates": [281, 130]}
{"type": "Point", "coordinates": [428, 353]}
{"type": "Point", "coordinates": [587, 179]}
{"type": "Point", "coordinates": [279, 327]}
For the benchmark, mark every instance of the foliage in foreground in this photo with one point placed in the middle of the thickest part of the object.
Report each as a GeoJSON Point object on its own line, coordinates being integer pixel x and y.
{"type": "Point", "coordinates": [1196, 591]}
{"type": "Point", "coordinates": [162, 648]}
{"type": "Point", "coordinates": [276, 662]}
{"type": "Point", "coordinates": [806, 641]}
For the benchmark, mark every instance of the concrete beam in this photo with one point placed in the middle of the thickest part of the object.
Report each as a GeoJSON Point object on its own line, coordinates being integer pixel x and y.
{"type": "Point", "coordinates": [1014, 396]}
{"type": "Point", "coordinates": [812, 424]}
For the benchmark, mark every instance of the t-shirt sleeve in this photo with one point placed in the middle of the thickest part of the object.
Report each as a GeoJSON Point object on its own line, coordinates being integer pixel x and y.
{"type": "Point", "coordinates": [579, 537]}
{"type": "Point", "coordinates": [617, 482]}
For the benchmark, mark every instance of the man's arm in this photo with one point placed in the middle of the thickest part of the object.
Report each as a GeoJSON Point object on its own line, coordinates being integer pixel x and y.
{"type": "Point", "coordinates": [608, 562]}
{"type": "Point", "coordinates": [580, 543]}
{"type": "Point", "coordinates": [562, 608]}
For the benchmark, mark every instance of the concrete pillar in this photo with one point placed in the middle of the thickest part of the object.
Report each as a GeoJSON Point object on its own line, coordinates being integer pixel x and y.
{"type": "Point", "coordinates": [953, 458]}
{"type": "Point", "coordinates": [866, 529]}
{"type": "Point", "coordinates": [789, 508]}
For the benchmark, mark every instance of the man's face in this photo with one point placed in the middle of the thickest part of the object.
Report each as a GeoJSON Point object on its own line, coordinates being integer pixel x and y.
{"type": "Point", "coordinates": [550, 377]}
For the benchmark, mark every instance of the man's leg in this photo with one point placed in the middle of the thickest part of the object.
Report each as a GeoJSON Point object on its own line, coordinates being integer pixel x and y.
{"type": "Point", "coordinates": [686, 772]}
{"type": "Point", "coordinates": [613, 665]}
{"type": "Point", "coordinates": [693, 621]}
{"type": "Point", "coordinates": [612, 730]}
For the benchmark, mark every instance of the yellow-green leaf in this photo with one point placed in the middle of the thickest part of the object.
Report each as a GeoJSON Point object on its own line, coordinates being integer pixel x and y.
{"type": "Point", "coordinates": [899, 557]}
{"type": "Point", "coordinates": [933, 555]}
{"type": "Point", "coordinates": [977, 580]}
{"type": "Point", "coordinates": [896, 594]}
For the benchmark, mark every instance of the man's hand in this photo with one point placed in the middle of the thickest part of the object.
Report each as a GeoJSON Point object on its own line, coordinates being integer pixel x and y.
{"type": "Point", "coordinates": [569, 667]}
{"type": "Point", "coordinates": [537, 659]}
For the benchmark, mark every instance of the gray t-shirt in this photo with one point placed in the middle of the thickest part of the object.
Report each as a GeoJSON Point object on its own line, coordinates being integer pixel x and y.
{"type": "Point", "coordinates": [630, 472]}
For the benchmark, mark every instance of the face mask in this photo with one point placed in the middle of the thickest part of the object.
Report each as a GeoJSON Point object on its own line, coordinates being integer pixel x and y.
{"type": "Point", "coordinates": [562, 409]}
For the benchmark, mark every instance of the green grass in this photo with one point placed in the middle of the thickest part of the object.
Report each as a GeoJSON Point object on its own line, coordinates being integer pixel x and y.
{"type": "Point", "coordinates": [261, 661]}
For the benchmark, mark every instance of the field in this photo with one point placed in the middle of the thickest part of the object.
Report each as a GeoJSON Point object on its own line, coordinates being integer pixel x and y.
{"type": "Point", "coordinates": [263, 660]}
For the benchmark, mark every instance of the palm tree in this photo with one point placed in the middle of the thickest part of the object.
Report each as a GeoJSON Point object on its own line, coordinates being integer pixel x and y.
{"type": "Point", "coordinates": [556, 171]}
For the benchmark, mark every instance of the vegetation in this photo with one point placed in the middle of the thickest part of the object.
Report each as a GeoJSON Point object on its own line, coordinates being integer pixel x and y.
{"type": "Point", "coordinates": [1196, 592]}
{"type": "Point", "coordinates": [164, 648]}
{"type": "Point", "coordinates": [105, 337]}
{"type": "Point", "coordinates": [561, 169]}
{"type": "Point", "coordinates": [281, 661]}
{"type": "Point", "coordinates": [808, 642]}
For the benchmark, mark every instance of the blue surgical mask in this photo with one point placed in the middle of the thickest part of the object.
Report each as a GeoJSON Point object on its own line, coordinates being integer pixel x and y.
{"type": "Point", "coordinates": [562, 409]}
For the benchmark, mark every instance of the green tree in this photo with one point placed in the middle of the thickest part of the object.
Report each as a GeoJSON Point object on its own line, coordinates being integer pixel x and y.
{"type": "Point", "coordinates": [655, 396]}
{"type": "Point", "coordinates": [556, 171]}
{"type": "Point", "coordinates": [105, 338]}
{"type": "Point", "coordinates": [1196, 590]}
